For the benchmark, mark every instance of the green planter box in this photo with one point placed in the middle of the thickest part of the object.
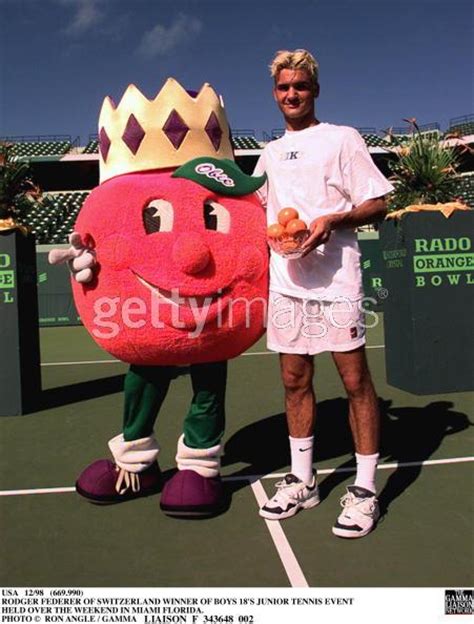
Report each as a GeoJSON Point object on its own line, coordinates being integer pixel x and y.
{"type": "Point", "coordinates": [428, 272]}
{"type": "Point", "coordinates": [20, 377]}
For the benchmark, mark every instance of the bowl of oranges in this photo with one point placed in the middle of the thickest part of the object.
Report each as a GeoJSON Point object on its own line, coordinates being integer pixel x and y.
{"type": "Point", "coordinates": [287, 236]}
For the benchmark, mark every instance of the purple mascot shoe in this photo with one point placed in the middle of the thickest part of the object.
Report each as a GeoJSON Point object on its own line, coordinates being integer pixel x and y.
{"type": "Point", "coordinates": [188, 494]}
{"type": "Point", "coordinates": [105, 482]}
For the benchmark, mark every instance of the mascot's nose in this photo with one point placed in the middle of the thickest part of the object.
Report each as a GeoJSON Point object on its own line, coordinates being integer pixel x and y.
{"type": "Point", "coordinates": [191, 253]}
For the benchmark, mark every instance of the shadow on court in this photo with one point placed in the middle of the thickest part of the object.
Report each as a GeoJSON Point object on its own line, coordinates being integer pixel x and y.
{"type": "Point", "coordinates": [82, 391]}
{"type": "Point", "coordinates": [86, 390]}
{"type": "Point", "coordinates": [408, 434]}
{"type": "Point", "coordinates": [413, 434]}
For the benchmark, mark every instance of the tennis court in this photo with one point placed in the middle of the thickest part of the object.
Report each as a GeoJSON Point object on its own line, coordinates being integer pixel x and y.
{"type": "Point", "coordinates": [52, 537]}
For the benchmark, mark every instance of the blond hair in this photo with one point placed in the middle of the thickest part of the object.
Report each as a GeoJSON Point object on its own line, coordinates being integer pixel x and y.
{"type": "Point", "coordinates": [297, 59]}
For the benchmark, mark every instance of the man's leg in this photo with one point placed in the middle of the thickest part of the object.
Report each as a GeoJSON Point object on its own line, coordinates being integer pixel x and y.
{"type": "Point", "coordinates": [298, 489]}
{"type": "Point", "coordinates": [364, 417]}
{"type": "Point", "coordinates": [360, 505]}
{"type": "Point", "coordinates": [297, 377]}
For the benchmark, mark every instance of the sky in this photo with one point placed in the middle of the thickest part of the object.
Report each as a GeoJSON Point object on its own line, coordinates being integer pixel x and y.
{"type": "Point", "coordinates": [380, 60]}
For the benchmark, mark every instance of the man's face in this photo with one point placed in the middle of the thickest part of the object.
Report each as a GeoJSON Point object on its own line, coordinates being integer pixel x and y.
{"type": "Point", "coordinates": [294, 92]}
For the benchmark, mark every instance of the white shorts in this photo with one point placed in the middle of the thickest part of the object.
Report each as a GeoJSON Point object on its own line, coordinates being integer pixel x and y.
{"type": "Point", "coordinates": [310, 326]}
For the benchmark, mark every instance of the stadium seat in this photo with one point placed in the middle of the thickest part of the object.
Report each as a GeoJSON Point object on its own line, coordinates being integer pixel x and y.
{"type": "Point", "coordinates": [53, 219]}
{"type": "Point", "coordinates": [466, 188]}
{"type": "Point", "coordinates": [30, 149]}
{"type": "Point", "coordinates": [245, 142]}
{"type": "Point", "coordinates": [374, 140]}
{"type": "Point", "coordinates": [463, 129]}
{"type": "Point", "coordinates": [92, 147]}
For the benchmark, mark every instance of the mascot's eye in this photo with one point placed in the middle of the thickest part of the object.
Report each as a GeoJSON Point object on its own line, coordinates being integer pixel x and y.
{"type": "Point", "coordinates": [216, 217]}
{"type": "Point", "coordinates": [158, 216]}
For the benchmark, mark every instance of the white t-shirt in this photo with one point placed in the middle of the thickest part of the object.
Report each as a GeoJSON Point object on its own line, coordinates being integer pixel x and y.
{"type": "Point", "coordinates": [319, 170]}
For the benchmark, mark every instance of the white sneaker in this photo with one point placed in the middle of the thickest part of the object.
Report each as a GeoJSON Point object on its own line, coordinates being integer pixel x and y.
{"type": "Point", "coordinates": [291, 496]}
{"type": "Point", "coordinates": [359, 515]}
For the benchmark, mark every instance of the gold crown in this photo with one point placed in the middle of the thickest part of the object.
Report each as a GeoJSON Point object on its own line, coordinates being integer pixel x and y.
{"type": "Point", "coordinates": [141, 134]}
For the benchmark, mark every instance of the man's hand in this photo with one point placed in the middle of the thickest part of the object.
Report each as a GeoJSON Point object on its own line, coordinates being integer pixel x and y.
{"type": "Point", "coordinates": [80, 258]}
{"type": "Point", "coordinates": [370, 211]}
{"type": "Point", "coordinates": [320, 230]}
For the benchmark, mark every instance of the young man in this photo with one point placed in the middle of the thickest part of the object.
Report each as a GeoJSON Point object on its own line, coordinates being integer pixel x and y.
{"type": "Point", "coordinates": [325, 172]}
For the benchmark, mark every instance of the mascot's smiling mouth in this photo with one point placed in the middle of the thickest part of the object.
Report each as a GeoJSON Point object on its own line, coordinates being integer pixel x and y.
{"type": "Point", "coordinates": [176, 298]}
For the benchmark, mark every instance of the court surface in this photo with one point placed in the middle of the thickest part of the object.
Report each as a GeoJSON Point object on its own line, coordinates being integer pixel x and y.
{"type": "Point", "coordinates": [52, 537]}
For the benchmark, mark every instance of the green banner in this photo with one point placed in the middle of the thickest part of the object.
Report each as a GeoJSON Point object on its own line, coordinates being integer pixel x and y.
{"type": "Point", "coordinates": [444, 262]}
{"type": "Point", "coordinates": [55, 301]}
{"type": "Point", "coordinates": [7, 279]}
{"type": "Point", "coordinates": [372, 269]}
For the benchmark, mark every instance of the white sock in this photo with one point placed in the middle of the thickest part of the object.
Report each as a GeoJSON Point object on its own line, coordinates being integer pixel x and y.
{"type": "Point", "coordinates": [302, 458]}
{"type": "Point", "coordinates": [366, 469]}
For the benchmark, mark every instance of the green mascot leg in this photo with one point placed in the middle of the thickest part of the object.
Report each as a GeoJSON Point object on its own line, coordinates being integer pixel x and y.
{"type": "Point", "coordinates": [205, 422]}
{"type": "Point", "coordinates": [145, 389]}
{"type": "Point", "coordinates": [197, 489]}
{"type": "Point", "coordinates": [135, 471]}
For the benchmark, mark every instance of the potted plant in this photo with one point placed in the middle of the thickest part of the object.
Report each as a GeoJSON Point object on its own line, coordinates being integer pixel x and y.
{"type": "Point", "coordinates": [424, 172]}
{"type": "Point", "coordinates": [427, 250]}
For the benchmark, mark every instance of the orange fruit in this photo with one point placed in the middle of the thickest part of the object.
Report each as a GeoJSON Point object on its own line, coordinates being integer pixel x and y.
{"type": "Point", "coordinates": [287, 214]}
{"type": "Point", "coordinates": [295, 225]}
{"type": "Point", "coordinates": [275, 230]}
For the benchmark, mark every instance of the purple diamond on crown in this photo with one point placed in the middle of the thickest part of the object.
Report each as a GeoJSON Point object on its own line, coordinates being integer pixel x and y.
{"type": "Point", "coordinates": [175, 129]}
{"type": "Point", "coordinates": [133, 134]}
{"type": "Point", "coordinates": [104, 144]}
{"type": "Point", "coordinates": [214, 131]}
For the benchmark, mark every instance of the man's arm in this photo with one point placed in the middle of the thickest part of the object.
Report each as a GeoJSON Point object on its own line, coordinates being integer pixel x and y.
{"type": "Point", "coordinates": [369, 211]}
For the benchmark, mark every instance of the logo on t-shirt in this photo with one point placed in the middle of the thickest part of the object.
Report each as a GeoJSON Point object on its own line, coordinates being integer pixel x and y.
{"type": "Point", "coordinates": [291, 155]}
{"type": "Point", "coordinates": [353, 332]}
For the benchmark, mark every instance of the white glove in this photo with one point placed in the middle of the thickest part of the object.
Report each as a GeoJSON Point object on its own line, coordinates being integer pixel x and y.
{"type": "Point", "coordinates": [81, 259]}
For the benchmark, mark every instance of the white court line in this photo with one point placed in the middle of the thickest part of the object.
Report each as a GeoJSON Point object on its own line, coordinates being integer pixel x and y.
{"type": "Point", "coordinates": [288, 559]}
{"type": "Point", "coordinates": [391, 466]}
{"type": "Point", "coordinates": [78, 363]}
{"type": "Point", "coordinates": [286, 554]}
{"type": "Point", "coordinates": [82, 362]}
{"type": "Point", "coordinates": [274, 475]}
{"type": "Point", "coordinates": [59, 490]}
